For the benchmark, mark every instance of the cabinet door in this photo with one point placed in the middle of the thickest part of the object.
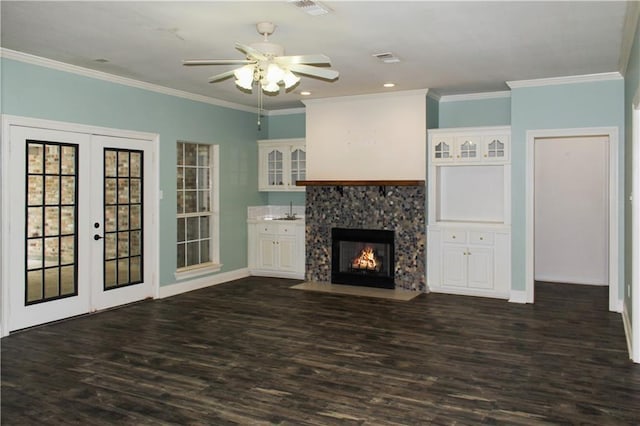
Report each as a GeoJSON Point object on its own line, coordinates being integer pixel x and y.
{"type": "Point", "coordinates": [480, 267]}
{"type": "Point", "coordinates": [266, 252]}
{"type": "Point", "coordinates": [467, 148]}
{"type": "Point", "coordinates": [298, 165]}
{"type": "Point", "coordinates": [287, 253]}
{"type": "Point", "coordinates": [275, 168]}
{"type": "Point", "coordinates": [496, 148]}
{"type": "Point", "coordinates": [441, 149]}
{"type": "Point", "coordinates": [454, 266]}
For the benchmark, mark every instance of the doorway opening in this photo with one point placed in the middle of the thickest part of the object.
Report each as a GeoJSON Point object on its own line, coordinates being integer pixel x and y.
{"type": "Point", "coordinates": [561, 241]}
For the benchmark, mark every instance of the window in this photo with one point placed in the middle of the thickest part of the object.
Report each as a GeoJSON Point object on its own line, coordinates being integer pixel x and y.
{"type": "Point", "coordinates": [197, 205]}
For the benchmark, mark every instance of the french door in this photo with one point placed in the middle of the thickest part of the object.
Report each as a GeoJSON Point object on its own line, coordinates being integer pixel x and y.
{"type": "Point", "coordinates": [80, 223]}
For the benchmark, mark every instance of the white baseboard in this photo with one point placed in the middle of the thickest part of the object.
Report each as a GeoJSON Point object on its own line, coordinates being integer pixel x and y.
{"type": "Point", "coordinates": [198, 283]}
{"type": "Point", "coordinates": [627, 332]}
{"type": "Point", "coordinates": [518, 296]}
{"type": "Point", "coordinates": [617, 306]}
{"type": "Point", "coordinates": [466, 291]}
{"type": "Point", "coordinates": [277, 274]}
{"type": "Point", "coordinates": [570, 280]}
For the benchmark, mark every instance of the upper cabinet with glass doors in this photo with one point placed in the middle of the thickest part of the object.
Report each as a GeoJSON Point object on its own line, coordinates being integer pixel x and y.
{"type": "Point", "coordinates": [282, 162]}
{"type": "Point", "coordinates": [460, 147]}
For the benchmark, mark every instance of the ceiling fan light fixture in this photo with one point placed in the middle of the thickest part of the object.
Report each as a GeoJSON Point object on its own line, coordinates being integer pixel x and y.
{"type": "Point", "coordinates": [274, 74]}
{"type": "Point", "coordinates": [244, 76]}
{"type": "Point", "coordinates": [245, 85]}
{"type": "Point", "coordinates": [271, 87]}
{"type": "Point", "coordinates": [290, 79]}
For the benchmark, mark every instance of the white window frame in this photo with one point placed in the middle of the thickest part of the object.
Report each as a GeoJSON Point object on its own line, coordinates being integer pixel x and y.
{"type": "Point", "coordinates": [214, 224]}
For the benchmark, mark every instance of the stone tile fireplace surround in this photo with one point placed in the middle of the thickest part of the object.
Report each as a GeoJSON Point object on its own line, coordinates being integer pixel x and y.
{"type": "Point", "coordinates": [397, 208]}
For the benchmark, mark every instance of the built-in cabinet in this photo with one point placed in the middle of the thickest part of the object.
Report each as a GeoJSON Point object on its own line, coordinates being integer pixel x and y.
{"type": "Point", "coordinates": [469, 213]}
{"type": "Point", "coordinates": [470, 148]}
{"type": "Point", "coordinates": [282, 162]}
{"type": "Point", "coordinates": [276, 248]}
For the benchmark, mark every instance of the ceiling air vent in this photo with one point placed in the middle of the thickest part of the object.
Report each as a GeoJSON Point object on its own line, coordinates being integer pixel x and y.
{"type": "Point", "coordinates": [313, 8]}
{"type": "Point", "coordinates": [387, 57]}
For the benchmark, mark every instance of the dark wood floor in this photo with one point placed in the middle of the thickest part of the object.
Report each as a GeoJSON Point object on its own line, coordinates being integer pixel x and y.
{"type": "Point", "coordinates": [256, 352]}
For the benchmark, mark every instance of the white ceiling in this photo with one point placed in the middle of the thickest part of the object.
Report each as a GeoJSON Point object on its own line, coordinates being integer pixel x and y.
{"type": "Point", "coordinates": [448, 47]}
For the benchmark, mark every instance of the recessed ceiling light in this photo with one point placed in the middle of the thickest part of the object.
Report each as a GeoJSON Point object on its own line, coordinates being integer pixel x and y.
{"type": "Point", "coordinates": [305, 93]}
{"type": "Point", "coordinates": [389, 85]}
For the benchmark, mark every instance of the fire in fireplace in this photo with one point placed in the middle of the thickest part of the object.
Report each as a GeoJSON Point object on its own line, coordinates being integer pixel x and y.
{"type": "Point", "coordinates": [362, 257]}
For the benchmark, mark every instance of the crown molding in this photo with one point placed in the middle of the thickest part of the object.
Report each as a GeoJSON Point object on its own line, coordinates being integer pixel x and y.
{"type": "Point", "coordinates": [396, 94]}
{"type": "Point", "coordinates": [586, 78]}
{"type": "Point", "coordinates": [99, 75]}
{"type": "Point", "coordinates": [632, 17]}
{"type": "Point", "coordinates": [434, 96]}
{"type": "Point", "coordinates": [285, 111]}
{"type": "Point", "coordinates": [475, 96]}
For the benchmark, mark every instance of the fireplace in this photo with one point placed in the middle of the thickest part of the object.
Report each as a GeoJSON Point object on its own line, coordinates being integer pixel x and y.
{"type": "Point", "coordinates": [363, 257]}
{"type": "Point", "coordinates": [400, 209]}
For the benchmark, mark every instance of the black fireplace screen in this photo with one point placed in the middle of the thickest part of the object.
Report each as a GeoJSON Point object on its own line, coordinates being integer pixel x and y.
{"type": "Point", "coordinates": [362, 257]}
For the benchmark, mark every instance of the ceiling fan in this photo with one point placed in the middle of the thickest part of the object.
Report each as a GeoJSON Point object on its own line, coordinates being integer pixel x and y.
{"type": "Point", "coordinates": [266, 65]}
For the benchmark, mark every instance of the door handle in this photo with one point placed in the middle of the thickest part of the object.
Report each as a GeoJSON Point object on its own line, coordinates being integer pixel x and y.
{"type": "Point", "coordinates": [97, 237]}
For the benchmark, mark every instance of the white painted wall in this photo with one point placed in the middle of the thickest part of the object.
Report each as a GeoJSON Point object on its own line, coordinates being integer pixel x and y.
{"type": "Point", "coordinates": [571, 210]}
{"type": "Point", "coordinates": [367, 137]}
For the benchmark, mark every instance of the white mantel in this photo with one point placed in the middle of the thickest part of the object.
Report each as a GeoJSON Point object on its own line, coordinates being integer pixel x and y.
{"type": "Point", "coordinates": [381, 136]}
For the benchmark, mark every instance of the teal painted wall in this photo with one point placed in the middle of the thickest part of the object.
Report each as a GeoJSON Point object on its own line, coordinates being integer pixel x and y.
{"type": "Point", "coordinates": [594, 104]}
{"type": "Point", "coordinates": [631, 87]}
{"type": "Point", "coordinates": [34, 91]}
{"type": "Point", "coordinates": [287, 126]}
{"type": "Point", "coordinates": [282, 127]}
{"type": "Point", "coordinates": [479, 112]}
{"type": "Point", "coordinates": [433, 113]}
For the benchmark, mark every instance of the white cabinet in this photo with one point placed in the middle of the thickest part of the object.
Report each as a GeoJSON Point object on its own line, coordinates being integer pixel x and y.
{"type": "Point", "coordinates": [469, 211]}
{"type": "Point", "coordinates": [276, 248]}
{"type": "Point", "coordinates": [471, 261]}
{"type": "Point", "coordinates": [282, 162]}
{"type": "Point", "coordinates": [469, 145]}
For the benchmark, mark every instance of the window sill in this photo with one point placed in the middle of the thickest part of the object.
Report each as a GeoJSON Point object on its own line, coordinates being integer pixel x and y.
{"type": "Point", "coordinates": [196, 271]}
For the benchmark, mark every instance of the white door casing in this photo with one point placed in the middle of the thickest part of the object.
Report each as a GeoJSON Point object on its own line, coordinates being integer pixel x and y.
{"type": "Point", "coordinates": [615, 303]}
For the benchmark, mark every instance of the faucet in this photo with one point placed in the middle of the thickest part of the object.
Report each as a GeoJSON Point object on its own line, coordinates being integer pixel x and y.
{"type": "Point", "coordinates": [291, 214]}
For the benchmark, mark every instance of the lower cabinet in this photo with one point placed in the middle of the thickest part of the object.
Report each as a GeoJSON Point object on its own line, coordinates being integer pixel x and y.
{"type": "Point", "coordinates": [469, 261]}
{"type": "Point", "coordinates": [277, 249]}
{"type": "Point", "coordinates": [467, 267]}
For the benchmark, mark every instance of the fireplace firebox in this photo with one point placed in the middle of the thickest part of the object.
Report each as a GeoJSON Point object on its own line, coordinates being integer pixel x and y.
{"type": "Point", "coordinates": [363, 257]}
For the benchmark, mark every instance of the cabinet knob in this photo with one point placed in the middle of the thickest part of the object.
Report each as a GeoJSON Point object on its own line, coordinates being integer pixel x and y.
{"type": "Point", "coordinates": [454, 237]}
{"type": "Point", "coordinates": [481, 238]}
{"type": "Point", "coordinates": [485, 155]}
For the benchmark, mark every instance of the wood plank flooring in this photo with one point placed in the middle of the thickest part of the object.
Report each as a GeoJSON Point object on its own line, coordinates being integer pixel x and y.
{"type": "Point", "coordinates": [257, 352]}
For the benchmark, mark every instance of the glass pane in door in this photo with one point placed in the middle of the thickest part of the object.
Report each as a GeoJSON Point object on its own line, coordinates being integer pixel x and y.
{"type": "Point", "coordinates": [275, 168]}
{"type": "Point", "coordinates": [468, 150]}
{"type": "Point", "coordinates": [123, 213]}
{"type": "Point", "coordinates": [51, 221]}
{"type": "Point", "coordinates": [298, 165]}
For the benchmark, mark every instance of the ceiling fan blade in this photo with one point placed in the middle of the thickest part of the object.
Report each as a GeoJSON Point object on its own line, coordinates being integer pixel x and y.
{"type": "Point", "coordinates": [325, 73]}
{"type": "Point", "coordinates": [191, 62]}
{"type": "Point", "coordinates": [304, 59]}
{"type": "Point", "coordinates": [256, 54]}
{"type": "Point", "coordinates": [221, 76]}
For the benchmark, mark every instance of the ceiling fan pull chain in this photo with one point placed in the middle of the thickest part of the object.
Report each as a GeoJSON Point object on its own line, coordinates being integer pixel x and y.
{"type": "Point", "coordinates": [259, 106]}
